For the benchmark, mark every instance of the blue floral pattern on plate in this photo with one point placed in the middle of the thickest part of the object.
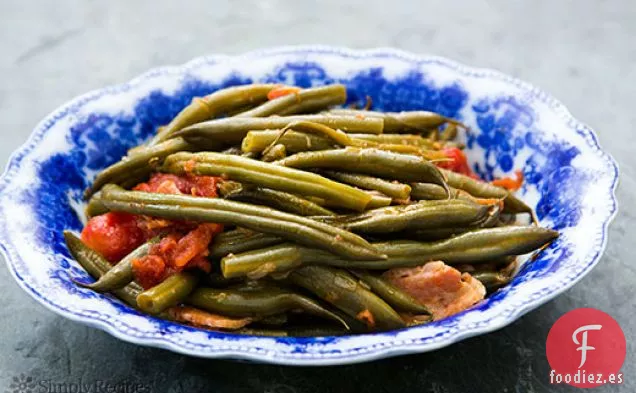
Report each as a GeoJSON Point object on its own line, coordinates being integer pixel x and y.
{"type": "Point", "coordinates": [569, 180]}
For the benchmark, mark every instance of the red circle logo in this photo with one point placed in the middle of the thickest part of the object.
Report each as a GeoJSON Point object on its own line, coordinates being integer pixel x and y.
{"type": "Point", "coordinates": [586, 348]}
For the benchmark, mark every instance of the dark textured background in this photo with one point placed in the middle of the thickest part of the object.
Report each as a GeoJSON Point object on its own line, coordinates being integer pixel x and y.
{"type": "Point", "coordinates": [583, 52]}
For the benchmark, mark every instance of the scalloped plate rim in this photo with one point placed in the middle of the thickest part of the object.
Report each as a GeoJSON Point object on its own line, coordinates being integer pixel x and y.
{"type": "Point", "coordinates": [349, 357]}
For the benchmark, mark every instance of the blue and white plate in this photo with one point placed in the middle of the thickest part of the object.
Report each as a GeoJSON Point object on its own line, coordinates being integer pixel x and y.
{"type": "Point", "coordinates": [570, 182]}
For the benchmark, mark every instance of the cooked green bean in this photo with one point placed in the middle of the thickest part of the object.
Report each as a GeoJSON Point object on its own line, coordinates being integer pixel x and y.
{"type": "Point", "coordinates": [215, 104]}
{"type": "Point", "coordinates": [478, 246]}
{"type": "Point", "coordinates": [422, 215]}
{"type": "Point", "coordinates": [95, 206]}
{"type": "Point", "coordinates": [97, 266]}
{"type": "Point", "coordinates": [305, 101]}
{"type": "Point", "coordinates": [397, 139]}
{"type": "Point", "coordinates": [336, 136]}
{"type": "Point", "coordinates": [428, 191]}
{"type": "Point", "coordinates": [450, 132]}
{"type": "Point", "coordinates": [345, 292]}
{"type": "Point", "coordinates": [482, 189]}
{"type": "Point", "coordinates": [240, 240]}
{"type": "Point", "coordinates": [121, 274]}
{"type": "Point", "coordinates": [259, 218]}
{"type": "Point", "coordinates": [294, 142]}
{"type": "Point", "coordinates": [392, 189]}
{"type": "Point", "coordinates": [269, 175]}
{"type": "Point", "coordinates": [391, 294]}
{"type": "Point", "coordinates": [277, 152]}
{"type": "Point", "coordinates": [257, 303]}
{"type": "Point", "coordinates": [170, 292]}
{"type": "Point", "coordinates": [408, 121]}
{"type": "Point", "coordinates": [489, 221]}
{"type": "Point", "coordinates": [376, 162]}
{"type": "Point", "coordinates": [139, 161]}
{"type": "Point", "coordinates": [231, 131]}
{"type": "Point", "coordinates": [277, 199]}
{"type": "Point", "coordinates": [492, 280]}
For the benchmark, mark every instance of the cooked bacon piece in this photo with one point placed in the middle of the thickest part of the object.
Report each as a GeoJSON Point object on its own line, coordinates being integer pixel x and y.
{"type": "Point", "coordinates": [442, 289]}
{"type": "Point", "coordinates": [197, 317]}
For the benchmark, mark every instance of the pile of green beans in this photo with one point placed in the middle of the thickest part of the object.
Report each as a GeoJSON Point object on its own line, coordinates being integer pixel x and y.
{"type": "Point", "coordinates": [317, 202]}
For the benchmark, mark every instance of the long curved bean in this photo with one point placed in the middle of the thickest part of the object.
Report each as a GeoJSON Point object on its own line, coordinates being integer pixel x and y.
{"type": "Point", "coordinates": [345, 292]}
{"type": "Point", "coordinates": [478, 246]}
{"type": "Point", "coordinates": [96, 266]}
{"type": "Point", "coordinates": [481, 189]}
{"type": "Point", "coordinates": [215, 104]}
{"type": "Point", "coordinates": [407, 122]}
{"type": "Point", "coordinates": [392, 189]}
{"type": "Point", "coordinates": [305, 101]}
{"type": "Point", "coordinates": [376, 162]}
{"type": "Point", "coordinates": [121, 274]}
{"type": "Point", "coordinates": [259, 218]}
{"type": "Point", "coordinates": [269, 175]}
{"type": "Point", "coordinates": [422, 215]}
{"type": "Point", "coordinates": [277, 199]}
{"type": "Point", "coordinates": [257, 303]}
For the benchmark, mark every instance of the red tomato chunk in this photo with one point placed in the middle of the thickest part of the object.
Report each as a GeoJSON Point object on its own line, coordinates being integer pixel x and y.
{"type": "Point", "coordinates": [114, 235]}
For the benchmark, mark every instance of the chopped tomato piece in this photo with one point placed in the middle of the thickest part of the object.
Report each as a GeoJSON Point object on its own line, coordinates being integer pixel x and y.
{"type": "Point", "coordinates": [457, 162]}
{"type": "Point", "coordinates": [114, 235]}
{"type": "Point", "coordinates": [442, 289]}
{"type": "Point", "coordinates": [509, 183]}
{"type": "Point", "coordinates": [282, 91]}
{"type": "Point", "coordinates": [149, 270]}
{"type": "Point", "coordinates": [195, 243]}
{"type": "Point", "coordinates": [204, 186]}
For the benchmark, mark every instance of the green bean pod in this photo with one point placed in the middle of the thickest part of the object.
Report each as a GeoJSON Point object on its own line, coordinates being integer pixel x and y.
{"type": "Point", "coordinates": [482, 189]}
{"type": "Point", "coordinates": [94, 207]}
{"type": "Point", "coordinates": [277, 199]}
{"type": "Point", "coordinates": [375, 162]}
{"type": "Point", "coordinates": [232, 130]}
{"type": "Point", "coordinates": [138, 163]}
{"type": "Point", "coordinates": [258, 218]}
{"type": "Point", "coordinates": [478, 246]}
{"type": "Point", "coordinates": [170, 292]}
{"type": "Point", "coordinates": [257, 303]}
{"type": "Point", "coordinates": [215, 104]}
{"type": "Point", "coordinates": [392, 189]}
{"type": "Point", "coordinates": [391, 294]}
{"type": "Point", "coordinates": [492, 280]}
{"type": "Point", "coordinates": [345, 292]}
{"type": "Point", "coordinates": [305, 101]}
{"type": "Point", "coordinates": [240, 240]}
{"type": "Point", "coordinates": [121, 274]}
{"type": "Point", "coordinates": [96, 265]}
{"type": "Point", "coordinates": [422, 215]}
{"type": "Point", "coordinates": [294, 141]}
{"type": "Point", "coordinates": [407, 122]}
{"type": "Point", "coordinates": [269, 175]}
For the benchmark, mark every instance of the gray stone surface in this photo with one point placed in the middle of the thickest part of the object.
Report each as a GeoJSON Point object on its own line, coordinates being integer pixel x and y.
{"type": "Point", "coordinates": [583, 52]}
